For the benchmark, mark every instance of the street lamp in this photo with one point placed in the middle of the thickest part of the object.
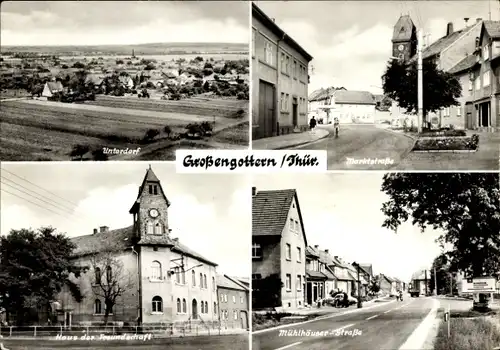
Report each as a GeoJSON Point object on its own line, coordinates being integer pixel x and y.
{"type": "Point", "coordinates": [356, 265]}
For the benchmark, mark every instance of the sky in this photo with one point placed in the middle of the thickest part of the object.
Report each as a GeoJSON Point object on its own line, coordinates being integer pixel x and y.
{"type": "Point", "coordinates": [25, 23]}
{"type": "Point", "coordinates": [210, 213]}
{"type": "Point", "coordinates": [342, 213]}
{"type": "Point", "coordinates": [351, 40]}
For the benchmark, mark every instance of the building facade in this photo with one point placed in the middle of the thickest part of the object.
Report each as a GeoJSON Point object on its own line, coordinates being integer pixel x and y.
{"type": "Point", "coordinates": [280, 79]}
{"type": "Point", "coordinates": [279, 244]}
{"type": "Point", "coordinates": [162, 280]}
{"type": "Point", "coordinates": [233, 302]}
{"type": "Point", "coordinates": [353, 107]}
{"type": "Point", "coordinates": [315, 279]}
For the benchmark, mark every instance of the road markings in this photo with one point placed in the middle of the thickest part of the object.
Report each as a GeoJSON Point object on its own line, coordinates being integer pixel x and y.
{"type": "Point", "coordinates": [372, 317]}
{"type": "Point", "coordinates": [417, 339]}
{"type": "Point", "coordinates": [320, 318]}
{"type": "Point", "coordinates": [289, 346]}
{"type": "Point", "coordinates": [388, 311]}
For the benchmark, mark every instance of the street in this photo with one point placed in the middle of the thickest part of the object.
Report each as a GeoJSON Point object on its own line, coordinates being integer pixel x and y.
{"type": "Point", "coordinates": [359, 142]}
{"type": "Point", "coordinates": [224, 342]}
{"type": "Point", "coordinates": [384, 326]}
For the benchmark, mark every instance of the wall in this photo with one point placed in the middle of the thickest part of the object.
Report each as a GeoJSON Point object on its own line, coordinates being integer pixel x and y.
{"type": "Point", "coordinates": [355, 113]}
{"type": "Point", "coordinates": [295, 296]}
{"type": "Point", "coordinates": [234, 302]}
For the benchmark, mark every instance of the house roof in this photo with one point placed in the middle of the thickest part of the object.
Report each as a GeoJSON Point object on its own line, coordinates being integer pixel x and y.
{"type": "Point", "coordinates": [492, 28]}
{"type": "Point", "coordinates": [354, 97]}
{"type": "Point", "coordinates": [55, 86]}
{"type": "Point", "coordinates": [315, 274]}
{"type": "Point", "coordinates": [367, 268]}
{"type": "Point", "coordinates": [96, 79]}
{"type": "Point", "coordinates": [122, 239]}
{"type": "Point", "coordinates": [404, 29]}
{"type": "Point", "coordinates": [323, 93]}
{"type": "Point", "coordinates": [270, 212]}
{"type": "Point", "coordinates": [310, 251]}
{"type": "Point", "coordinates": [224, 281]}
{"type": "Point", "coordinates": [260, 15]}
{"type": "Point", "coordinates": [467, 63]}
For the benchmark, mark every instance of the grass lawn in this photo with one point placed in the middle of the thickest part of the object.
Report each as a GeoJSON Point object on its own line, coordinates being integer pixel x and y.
{"type": "Point", "coordinates": [238, 134]}
{"type": "Point", "coordinates": [468, 331]}
{"type": "Point", "coordinates": [274, 319]}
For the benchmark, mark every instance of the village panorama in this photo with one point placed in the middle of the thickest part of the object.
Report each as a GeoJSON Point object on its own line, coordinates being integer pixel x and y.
{"type": "Point", "coordinates": [146, 101]}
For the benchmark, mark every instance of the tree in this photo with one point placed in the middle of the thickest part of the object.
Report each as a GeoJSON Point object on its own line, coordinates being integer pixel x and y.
{"type": "Point", "coordinates": [79, 151]}
{"type": "Point", "coordinates": [113, 280]}
{"type": "Point", "coordinates": [465, 206]}
{"type": "Point", "coordinates": [151, 134]}
{"type": "Point", "coordinates": [444, 276]}
{"type": "Point", "coordinates": [168, 130]}
{"type": "Point", "coordinates": [34, 266]}
{"type": "Point", "coordinates": [440, 89]}
{"type": "Point", "coordinates": [374, 286]}
{"type": "Point", "coordinates": [266, 292]}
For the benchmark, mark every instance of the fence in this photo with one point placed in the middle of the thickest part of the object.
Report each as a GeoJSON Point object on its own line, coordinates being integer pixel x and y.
{"type": "Point", "coordinates": [160, 330]}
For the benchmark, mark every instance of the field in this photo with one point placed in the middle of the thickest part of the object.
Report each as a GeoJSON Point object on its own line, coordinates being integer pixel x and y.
{"type": "Point", "coordinates": [40, 130]}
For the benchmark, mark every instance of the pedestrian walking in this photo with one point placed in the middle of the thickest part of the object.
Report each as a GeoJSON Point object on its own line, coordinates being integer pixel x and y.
{"type": "Point", "coordinates": [312, 123]}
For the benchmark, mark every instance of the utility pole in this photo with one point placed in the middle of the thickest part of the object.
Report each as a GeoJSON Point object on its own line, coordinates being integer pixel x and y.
{"type": "Point", "coordinates": [435, 282]}
{"type": "Point", "coordinates": [451, 283]}
{"type": "Point", "coordinates": [359, 286]}
{"type": "Point", "coordinates": [426, 291]}
{"type": "Point", "coordinates": [420, 83]}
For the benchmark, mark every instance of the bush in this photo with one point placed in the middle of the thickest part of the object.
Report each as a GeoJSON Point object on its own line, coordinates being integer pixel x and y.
{"type": "Point", "coordinates": [79, 151]}
{"type": "Point", "coordinates": [453, 143]}
{"type": "Point", "coordinates": [151, 134]}
{"type": "Point", "coordinates": [443, 132]}
{"type": "Point", "coordinates": [167, 129]}
{"type": "Point", "coordinates": [99, 154]}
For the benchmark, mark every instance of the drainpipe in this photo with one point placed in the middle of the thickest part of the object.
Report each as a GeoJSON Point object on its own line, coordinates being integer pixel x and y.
{"type": "Point", "coordinates": [278, 89]}
{"type": "Point", "coordinates": [139, 289]}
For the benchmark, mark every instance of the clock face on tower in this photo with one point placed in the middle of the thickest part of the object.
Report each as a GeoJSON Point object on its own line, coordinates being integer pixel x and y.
{"type": "Point", "coordinates": [153, 213]}
{"type": "Point", "coordinates": [401, 47]}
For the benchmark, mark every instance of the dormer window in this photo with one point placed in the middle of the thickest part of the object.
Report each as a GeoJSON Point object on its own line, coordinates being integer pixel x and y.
{"type": "Point", "coordinates": [153, 189]}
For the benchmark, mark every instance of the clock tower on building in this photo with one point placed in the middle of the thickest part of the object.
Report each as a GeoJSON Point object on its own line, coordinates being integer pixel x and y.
{"type": "Point", "coordinates": [404, 39]}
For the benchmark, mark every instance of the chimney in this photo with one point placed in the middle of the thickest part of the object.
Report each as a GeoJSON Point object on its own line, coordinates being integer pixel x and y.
{"type": "Point", "coordinates": [273, 19]}
{"type": "Point", "coordinates": [336, 257]}
{"type": "Point", "coordinates": [326, 251]}
{"type": "Point", "coordinates": [95, 231]}
{"type": "Point", "coordinates": [449, 29]}
{"type": "Point", "coordinates": [478, 20]}
{"type": "Point", "coordinates": [104, 229]}
{"type": "Point", "coordinates": [316, 246]}
{"type": "Point", "coordinates": [466, 20]}
{"type": "Point", "coordinates": [254, 191]}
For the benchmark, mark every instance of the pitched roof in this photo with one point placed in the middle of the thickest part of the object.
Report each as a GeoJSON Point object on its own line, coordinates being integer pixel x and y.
{"type": "Point", "coordinates": [316, 94]}
{"type": "Point", "coordinates": [367, 268]}
{"type": "Point", "coordinates": [492, 28]}
{"type": "Point", "coordinates": [270, 212]}
{"type": "Point", "coordinates": [354, 97]}
{"type": "Point", "coordinates": [224, 281]}
{"type": "Point", "coordinates": [55, 86]}
{"type": "Point", "coordinates": [403, 30]}
{"type": "Point", "coordinates": [149, 177]}
{"type": "Point", "coordinates": [315, 274]}
{"type": "Point", "coordinates": [467, 63]}
{"type": "Point", "coordinates": [123, 238]}
{"type": "Point", "coordinates": [310, 251]}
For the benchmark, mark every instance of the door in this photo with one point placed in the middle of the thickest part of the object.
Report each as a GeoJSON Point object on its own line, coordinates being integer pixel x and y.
{"type": "Point", "coordinates": [295, 114]}
{"type": "Point", "coordinates": [195, 309]}
{"type": "Point", "coordinates": [266, 118]}
{"type": "Point", "coordinates": [485, 114]}
{"type": "Point", "coordinates": [309, 293]}
{"type": "Point", "coordinates": [244, 319]}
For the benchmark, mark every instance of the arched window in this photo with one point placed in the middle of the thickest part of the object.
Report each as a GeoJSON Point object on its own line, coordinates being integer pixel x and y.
{"type": "Point", "coordinates": [97, 275]}
{"type": "Point", "coordinates": [215, 308]}
{"type": "Point", "coordinates": [157, 304]}
{"type": "Point", "coordinates": [184, 306]}
{"type": "Point", "coordinates": [156, 270]}
{"type": "Point", "coordinates": [205, 281]}
{"type": "Point", "coordinates": [201, 280]}
{"type": "Point", "coordinates": [193, 275]}
{"type": "Point", "coordinates": [150, 228]}
{"type": "Point", "coordinates": [202, 307]}
{"type": "Point", "coordinates": [179, 306]}
{"type": "Point", "coordinates": [213, 283]}
{"type": "Point", "coordinates": [109, 274]}
{"type": "Point", "coordinates": [158, 230]}
{"type": "Point", "coordinates": [97, 307]}
{"type": "Point", "coordinates": [206, 307]}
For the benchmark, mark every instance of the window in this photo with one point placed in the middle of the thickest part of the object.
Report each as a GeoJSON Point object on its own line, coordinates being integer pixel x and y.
{"type": "Point", "coordinates": [193, 276]}
{"type": "Point", "coordinates": [201, 280]}
{"type": "Point", "coordinates": [225, 298]}
{"type": "Point", "coordinates": [157, 304]}
{"type": "Point", "coordinates": [235, 313]}
{"type": "Point", "coordinates": [486, 52]}
{"type": "Point", "coordinates": [222, 298]}
{"type": "Point", "coordinates": [478, 84]}
{"type": "Point", "coordinates": [254, 40]}
{"type": "Point", "coordinates": [177, 272]}
{"type": "Point", "coordinates": [470, 85]}
{"type": "Point", "coordinates": [295, 73]}
{"type": "Point", "coordinates": [97, 307]}
{"type": "Point", "coordinates": [215, 308]}
{"type": "Point", "coordinates": [282, 101]}
{"type": "Point", "coordinates": [299, 283]}
{"type": "Point", "coordinates": [486, 78]}
{"type": "Point", "coordinates": [206, 307]}
{"type": "Point", "coordinates": [459, 111]}
{"type": "Point", "coordinates": [158, 230]}
{"type": "Point", "coordinates": [213, 284]}
{"type": "Point", "coordinates": [205, 281]}
{"type": "Point", "coordinates": [241, 300]}
{"type": "Point", "coordinates": [299, 254]}
{"type": "Point", "coordinates": [109, 274]}
{"type": "Point", "coordinates": [179, 310]}
{"type": "Point", "coordinates": [184, 306]}
{"type": "Point", "coordinates": [183, 277]}
{"type": "Point", "coordinates": [292, 225]}
{"type": "Point", "coordinates": [268, 53]}
{"type": "Point", "coordinates": [97, 276]}
{"type": "Point", "coordinates": [282, 63]}
{"type": "Point", "coordinates": [153, 189]}
{"type": "Point", "coordinates": [288, 282]}
{"type": "Point", "coordinates": [202, 307]}
{"type": "Point", "coordinates": [150, 229]}
{"type": "Point", "coordinates": [287, 102]}
{"type": "Point", "coordinates": [234, 299]}
{"type": "Point", "coordinates": [256, 251]}
{"type": "Point", "coordinates": [150, 189]}
{"type": "Point", "coordinates": [446, 112]}
{"type": "Point", "coordinates": [297, 227]}
{"type": "Point", "coordinates": [287, 65]}
{"type": "Point", "coordinates": [288, 252]}
{"type": "Point", "coordinates": [156, 270]}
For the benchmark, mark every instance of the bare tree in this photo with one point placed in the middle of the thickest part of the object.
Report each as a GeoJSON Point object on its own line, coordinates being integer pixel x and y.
{"type": "Point", "coordinates": [112, 280]}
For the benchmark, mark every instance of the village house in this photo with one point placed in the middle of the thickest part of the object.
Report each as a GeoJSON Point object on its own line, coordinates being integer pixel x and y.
{"type": "Point", "coordinates": [315, 279]}
{"type": "Point", "coordinates": [51, 88]}
{"type": "Point", "coordinates": [320, 104]}
{"type": "Point", "coordinates": [325, 260]}
{"type": "Point", "coordinates": [345, 282]}
{"type": "Point", "coordinates": [353, 107]}
{"type": "Point", "coordinates": [280, 79]}
{"type": "Point", "coordinates": [233, 302]}
{"type": "Point", "coordinates": [387, 284]}
{"type": "Point", "coordinates": [279, 243]}
{"type": "Point", "coordinates": [164, 280]}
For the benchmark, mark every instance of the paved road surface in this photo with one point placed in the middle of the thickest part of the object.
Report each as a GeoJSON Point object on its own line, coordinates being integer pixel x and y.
{"type": "Point", "coordinates": [223, 342]}
{"type": "Point", "coordinates": [360, 142]}
{"type": "Point", "coordinates": [386, 326]}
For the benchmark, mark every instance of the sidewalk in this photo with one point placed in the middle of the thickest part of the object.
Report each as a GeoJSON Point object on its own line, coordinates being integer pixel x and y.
{"type": "Point", "coordinates": [290, 140]}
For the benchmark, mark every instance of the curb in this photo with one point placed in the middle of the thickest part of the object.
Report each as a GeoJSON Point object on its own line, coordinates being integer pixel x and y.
{"type": "Point", "coordinates": [320, 318]}
{"type": "Point", "coordinates": [419, 337]}
{"type": "Point", "coordinates": [301, 143]}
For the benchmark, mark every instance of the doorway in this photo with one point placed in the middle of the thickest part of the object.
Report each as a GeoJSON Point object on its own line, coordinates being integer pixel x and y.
{"type": "Point", "coordinates": [244, 319]}
{"type": "Point", "coordinates": [266, 118]}
{"type": "Point", "coordinates": [484, 115]}
{"type": "Point", "coordinates": [194, 309]}
{"type": "Point", "coordinates": [295, 115]}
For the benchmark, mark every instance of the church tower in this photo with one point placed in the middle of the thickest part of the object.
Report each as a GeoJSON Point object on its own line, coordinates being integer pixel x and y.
{"type": "Point", "coordinates": [404, 39]}
{"type": "Point", "coordinates": [150, 212]}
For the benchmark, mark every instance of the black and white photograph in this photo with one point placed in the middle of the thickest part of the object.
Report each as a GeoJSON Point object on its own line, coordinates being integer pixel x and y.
{"type": "Point", "coordinates": [379, 85]}
{"type": "Point", "coordinates": [123, 256]}
{"type": "Point", "coordinates": [364, 261]}
{"type": "Point", "coordinates": [131, 80]}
